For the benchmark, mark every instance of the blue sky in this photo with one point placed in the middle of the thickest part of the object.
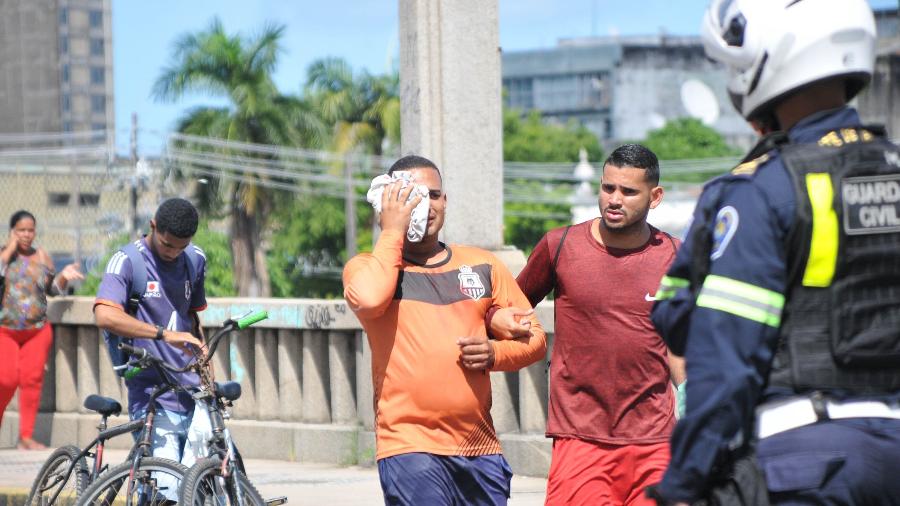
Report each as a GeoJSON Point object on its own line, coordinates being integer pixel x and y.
{"type": "Point", "coordinates": [364, 32]}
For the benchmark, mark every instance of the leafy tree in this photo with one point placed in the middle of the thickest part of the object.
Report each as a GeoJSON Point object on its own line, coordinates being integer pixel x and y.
{"type": "Point", "coordinates": [309, 250]}
{"type": "Point", "coordinates": [239, 70]}
{"type": "Point", "coordinates": [687, 138]}
{"type": "Point", "coordinates": [529, 139]}
{"type": "Point", "coordinates": [363, 110]}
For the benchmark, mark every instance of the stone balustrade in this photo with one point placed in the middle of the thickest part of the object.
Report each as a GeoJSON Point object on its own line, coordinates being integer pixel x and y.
{"type": "Point", "coordinates": [306, 379]}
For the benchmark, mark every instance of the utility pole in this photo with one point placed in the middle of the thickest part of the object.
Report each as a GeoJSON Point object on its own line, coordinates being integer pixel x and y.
{"type": "Point", "coordinates": [349, 207]}
{"type": "Point", "coordinates": [133, 225]}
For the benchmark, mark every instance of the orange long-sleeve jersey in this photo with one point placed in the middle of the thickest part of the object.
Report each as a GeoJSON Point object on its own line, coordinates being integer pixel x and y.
{"type": "Point", "coordinates": [425, 400]}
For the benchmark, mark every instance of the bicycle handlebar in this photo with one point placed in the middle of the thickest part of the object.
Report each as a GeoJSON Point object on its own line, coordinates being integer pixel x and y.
{"type": "Point", "coordinates": [143, 355]}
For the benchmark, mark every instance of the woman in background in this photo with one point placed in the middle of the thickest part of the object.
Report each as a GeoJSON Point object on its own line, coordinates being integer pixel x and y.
{"type": "Point", "coordinates": [25, 333]}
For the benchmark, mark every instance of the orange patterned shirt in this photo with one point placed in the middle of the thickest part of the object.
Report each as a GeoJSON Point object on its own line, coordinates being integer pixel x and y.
{"type": "Point", "coordinates": [425, 400]}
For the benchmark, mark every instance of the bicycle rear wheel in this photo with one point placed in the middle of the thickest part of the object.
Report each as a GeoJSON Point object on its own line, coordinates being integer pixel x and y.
{"type": "Point", "coordinates": [63, 475]}
{"type": "Point", "coordinates": [156, 482]}
{"type": "Point", "coordinates": [204, 485]}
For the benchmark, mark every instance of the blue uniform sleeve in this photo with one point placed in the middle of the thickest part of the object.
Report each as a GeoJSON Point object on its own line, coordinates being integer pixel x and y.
{"type": "Point", "coordinates": [198, 293]}
{"type": "Point", "coordinates": [674, 299]}
{"type": "Point", "coordinates": [731, 335]}
{"type": "Point", "coordinates": [115, 285]}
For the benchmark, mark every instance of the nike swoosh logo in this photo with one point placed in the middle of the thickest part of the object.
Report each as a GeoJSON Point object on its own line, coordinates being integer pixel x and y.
{"type": "Point", "coordinates": [649, 298]}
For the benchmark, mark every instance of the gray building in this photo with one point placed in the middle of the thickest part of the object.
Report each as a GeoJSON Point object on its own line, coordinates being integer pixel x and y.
{"type": "Point", "coordinates": [56, 67]}
{"type": "Point", "coordinates": [622, 87]}
{"type": "Point", "coordinates": [880, 102]}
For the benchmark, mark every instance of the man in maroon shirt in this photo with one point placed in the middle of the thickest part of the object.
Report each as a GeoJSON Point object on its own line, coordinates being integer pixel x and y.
{"type": "Point", "coordinates": [611, 403]}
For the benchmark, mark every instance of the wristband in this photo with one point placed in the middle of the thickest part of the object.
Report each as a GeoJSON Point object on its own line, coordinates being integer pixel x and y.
{"type": "Point", "coordinates": [159, 331]}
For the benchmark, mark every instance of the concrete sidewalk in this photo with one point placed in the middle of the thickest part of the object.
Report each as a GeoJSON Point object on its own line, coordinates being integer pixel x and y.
{"type": "Point", "coordinates": [303, 484]}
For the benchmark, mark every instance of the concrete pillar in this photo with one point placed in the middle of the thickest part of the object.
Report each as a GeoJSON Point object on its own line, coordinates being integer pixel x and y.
{"type": "Point", "coordinates": [221, 362]}
{"type": "Point", "coordinates": [342, 372]}
{"type": "Point", "coordinates": [243, 355]}
{"type": "Point", "coordinates": [533, 398]}
{"type": "Point", "coordinates": [111, 384]}
{"type": "Point", "coordinates": [88, 359]}
{"type": "Point", "coordinates": [65, 352]}
{"type": "Point", "coordinates": [290, 370]}
{"type": "Point", "coordinates": [450, 109]}
{"type": "Point", "coordinates": [48, 387]}
{"type": "Point", "coordinates": [505, 397]}
{"type": "Point", "coordinates": [316, 406]}
{"type": "Point", "coordinates": [365, 394]}
{"type": "Point", "coordinates": [266, 377]}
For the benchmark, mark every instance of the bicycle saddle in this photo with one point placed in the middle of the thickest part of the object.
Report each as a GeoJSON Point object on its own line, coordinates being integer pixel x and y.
{"type": "Point", "coordinates": [230, 390]}
{"type": "Point", "coordinates": [103, 405]}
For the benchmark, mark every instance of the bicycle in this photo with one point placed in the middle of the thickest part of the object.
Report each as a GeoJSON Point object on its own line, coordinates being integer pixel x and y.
{"type": "Point", "coordinates": [65, 473]}
{"type": "Point", "coordinates": [219, 477]}
{"type": "Point", "coordinates": [65, 477]}
{"type": "Point", "coordinates": [149, 480]}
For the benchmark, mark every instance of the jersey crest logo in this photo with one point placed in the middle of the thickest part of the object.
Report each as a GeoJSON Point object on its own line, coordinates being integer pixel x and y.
{"type": "Point", "coordinates": [470, 283]}
{"type": "Point", "coordinates": [187, 290]}
{"type": "Point", "coordinates": [153, 289]}
{"type": "Point", "coordinates": [726, 226]}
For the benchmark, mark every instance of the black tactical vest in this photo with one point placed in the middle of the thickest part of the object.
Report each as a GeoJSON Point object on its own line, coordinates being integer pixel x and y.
{"type": "Point", "coordinates": [841, 323]}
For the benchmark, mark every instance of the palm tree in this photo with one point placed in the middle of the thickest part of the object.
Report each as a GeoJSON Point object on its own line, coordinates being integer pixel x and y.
{"type": "Point", "coordinates": [239, 70]}
{"type": "Point", "coordinates": [363, 109]}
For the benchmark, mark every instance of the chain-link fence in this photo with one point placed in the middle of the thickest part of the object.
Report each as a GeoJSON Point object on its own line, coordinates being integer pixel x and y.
{"type": "Point", "coordinates": [81, 196]}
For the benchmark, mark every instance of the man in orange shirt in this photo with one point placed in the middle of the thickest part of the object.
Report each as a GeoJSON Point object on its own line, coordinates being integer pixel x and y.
{"type": "Point", "coordinates": [422, 305]}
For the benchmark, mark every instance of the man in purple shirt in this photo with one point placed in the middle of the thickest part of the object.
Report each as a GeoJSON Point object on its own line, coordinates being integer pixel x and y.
{"type": "Point", "coordinates": [166, 322]}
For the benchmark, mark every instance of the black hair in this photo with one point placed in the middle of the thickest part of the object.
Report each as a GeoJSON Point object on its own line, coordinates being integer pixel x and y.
{"type": "Point", "coordinates": [177, 217]}
{"type": "Point", "coordinates": [637, 156]}
{"type": "Point", "coordinates": [18, 216]}
{"type": "Point", "coordinates": [413, 162]}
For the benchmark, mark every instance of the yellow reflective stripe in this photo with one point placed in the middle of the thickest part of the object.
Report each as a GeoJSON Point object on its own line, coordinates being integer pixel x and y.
{"type": "Point", "coordinates": [673, 282]}
{"type": "Point", "coordinates": [668, 286]}
{"type": "Point", "coordinates": [744, 290]}
{"type": "Point", "coordinates": [739, 309]}
{"type": "Point", "coordinates": [741, 299]}
{"type": "Point", "coordinates": [823, 247]}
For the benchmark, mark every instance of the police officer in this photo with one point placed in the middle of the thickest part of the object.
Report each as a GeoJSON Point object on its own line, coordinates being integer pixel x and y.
{"type": "Point", "coordinates": [785, 298]}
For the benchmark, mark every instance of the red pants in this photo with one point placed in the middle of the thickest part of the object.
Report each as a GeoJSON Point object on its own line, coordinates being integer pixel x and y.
{"type": "Point", "coordinates": [598, 474]}
{"type": "Point", "coordinates": [24, 355]}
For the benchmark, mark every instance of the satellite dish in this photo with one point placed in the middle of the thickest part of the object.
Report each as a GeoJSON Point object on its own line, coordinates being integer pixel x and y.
{"type": "Point", "coordinates": [699, 101]}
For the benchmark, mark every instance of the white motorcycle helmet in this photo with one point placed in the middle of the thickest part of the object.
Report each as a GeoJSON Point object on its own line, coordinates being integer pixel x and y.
{"type": "Point", "coordinates": [773, 47]}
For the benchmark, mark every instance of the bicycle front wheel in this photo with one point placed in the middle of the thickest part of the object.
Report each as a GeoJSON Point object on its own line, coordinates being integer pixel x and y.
{"type": "Point", "coordinates": [204, 485]}
{"type": "Point", "coordinates": [156, 481]}
{"type": "Point", "coordinates": [61, 479]}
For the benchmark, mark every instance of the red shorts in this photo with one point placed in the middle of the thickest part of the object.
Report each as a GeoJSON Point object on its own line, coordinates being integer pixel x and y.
{"type": "Point", "coordinates": [599, 474]}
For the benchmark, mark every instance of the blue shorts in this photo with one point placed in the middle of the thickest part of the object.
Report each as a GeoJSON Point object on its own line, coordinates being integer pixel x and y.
{"type": "Point", "coordinates": [439, 480]}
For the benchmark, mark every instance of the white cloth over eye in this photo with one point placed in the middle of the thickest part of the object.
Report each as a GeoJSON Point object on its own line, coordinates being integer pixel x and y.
{"type": "Point", "coordinates": [419, 220]}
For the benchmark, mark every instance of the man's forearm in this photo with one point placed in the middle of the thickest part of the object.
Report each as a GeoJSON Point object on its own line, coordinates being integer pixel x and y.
{"type": "Point", "coordinates": [120, 323]}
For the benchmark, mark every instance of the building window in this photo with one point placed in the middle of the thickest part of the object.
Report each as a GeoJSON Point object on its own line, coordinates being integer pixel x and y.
{"type": "Point", "coordinates": [96, 47]}
{"type": "Point", "coordinates": [56, 199]}
{"type": "Point", "coordinates": [98, 103]}
{"type": "Point", "coordinates": [63, 45]}
{"type": "Point", "coordinates": [66, 103]}
{"type": "Point", "coordinates": [96, 18]}
{"type": "Point", "coordinates": [63, 15]}
{"type": "Point", "coordinates": [519, 93]}
{"type": "Point", "coordinates": [89, 199]}
{"type": "Point", "coordinates": [98, 75]}
{"type": "Point", "coordinates": [64, 73]}
{"type": "Point", "coordinates": [67, 126]}
{"type": "Point", "coordinates": [99, 130]}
